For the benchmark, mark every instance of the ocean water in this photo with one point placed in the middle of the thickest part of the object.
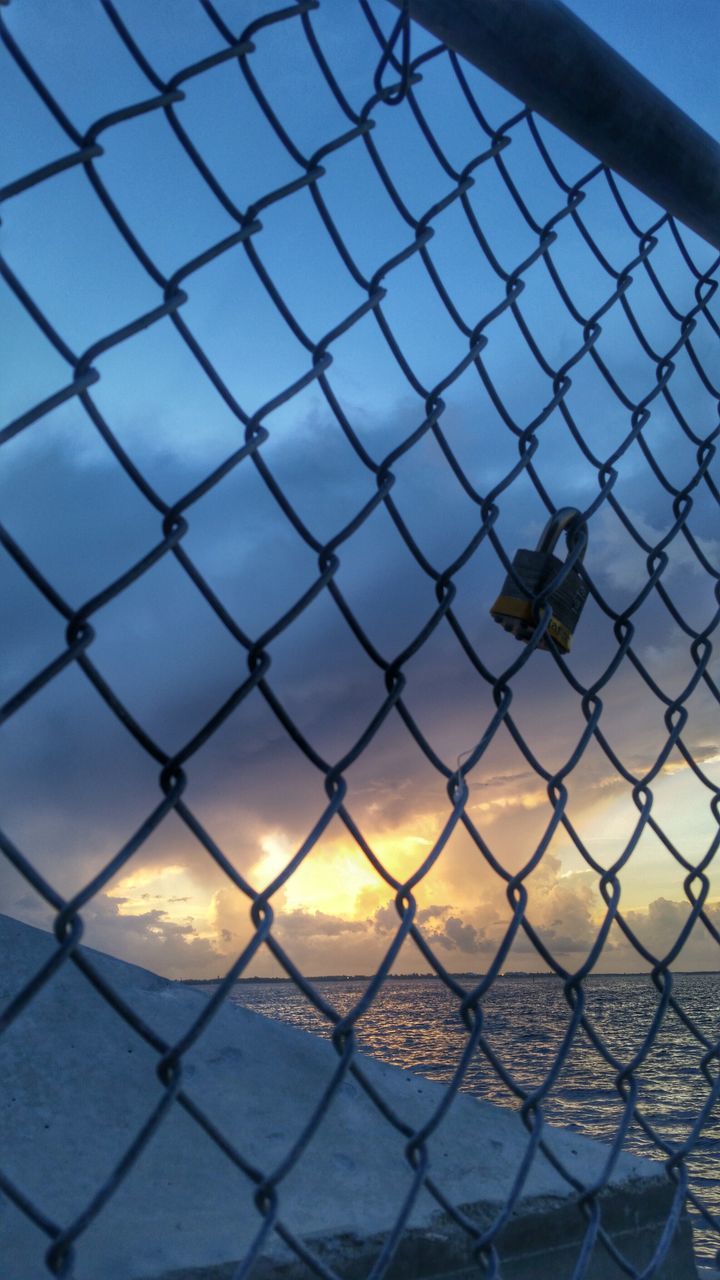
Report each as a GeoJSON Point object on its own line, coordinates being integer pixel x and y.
{"type": "Point", "coordinates": [415, 1024]}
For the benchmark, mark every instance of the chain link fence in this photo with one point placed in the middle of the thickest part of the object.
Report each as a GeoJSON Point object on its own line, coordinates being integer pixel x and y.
{"type": "Point", "coordinates": [595, 388]}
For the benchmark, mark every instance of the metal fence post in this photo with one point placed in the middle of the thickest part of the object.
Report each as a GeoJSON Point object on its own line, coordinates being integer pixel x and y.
{"type": "Point", "coordinates": [545, 55]}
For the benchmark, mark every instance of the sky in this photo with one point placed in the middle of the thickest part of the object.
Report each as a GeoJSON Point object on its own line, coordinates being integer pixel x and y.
{"type": "Point", "coordinates": [76, 785]}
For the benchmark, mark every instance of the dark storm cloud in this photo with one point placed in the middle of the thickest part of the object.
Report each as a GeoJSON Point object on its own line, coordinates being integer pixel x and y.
{"type": "Point", "coordinates": [83, 524]}
{"type": "Point", "coordinates": [173, 664]}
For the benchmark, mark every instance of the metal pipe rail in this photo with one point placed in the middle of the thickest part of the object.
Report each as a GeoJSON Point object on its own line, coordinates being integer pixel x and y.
{"type": "Point", "coordinates": [546, 56]}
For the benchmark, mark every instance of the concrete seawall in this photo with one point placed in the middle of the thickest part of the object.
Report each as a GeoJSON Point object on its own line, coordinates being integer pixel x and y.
{"type": "Point", "coordinates": [77, 1084]}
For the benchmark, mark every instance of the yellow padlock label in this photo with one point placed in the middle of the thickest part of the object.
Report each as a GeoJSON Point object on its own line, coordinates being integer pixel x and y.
{"type": "Point", "coordinates": [523, 611]}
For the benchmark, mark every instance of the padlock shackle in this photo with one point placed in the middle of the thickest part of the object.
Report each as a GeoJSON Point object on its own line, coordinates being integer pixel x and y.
{"type": "Point", "coordinates": [561, 521]}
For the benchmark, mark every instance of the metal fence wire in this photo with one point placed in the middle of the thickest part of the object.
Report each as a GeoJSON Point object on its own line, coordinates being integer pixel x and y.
{"type": "Point", "coordinates": [670, 332]}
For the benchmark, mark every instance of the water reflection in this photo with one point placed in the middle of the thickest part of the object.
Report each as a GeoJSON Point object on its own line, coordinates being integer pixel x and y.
{"type": "Point", "coordinates": [415, 1024]}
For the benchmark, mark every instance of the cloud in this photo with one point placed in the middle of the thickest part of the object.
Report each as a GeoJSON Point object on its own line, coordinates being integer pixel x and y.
{"type": "Point", "coordinates": [532, 799]}
{"type": "Point", "coordinates": [623, 563]}
{"type": "Point", "coordinates": [386, 919]}
{"type": "Point", "coordinates": [431, 913]}
{"type": "Point", "coordinates": [659, 927]}
{"type": "Point", "coordinates": [315, 924]}
{"type": "Point", "coordinates": [565, 909]}
{"type": "Point", "coordinates": [78, 786]}
{"type": "Point", "coordinates": [504, 779]}
{"type": "Point", "coordinates": [153, 939]}
{"type": "Point", "coordinates": [98, 785]}
{"type": "Point", "coordinates": [456, 936]}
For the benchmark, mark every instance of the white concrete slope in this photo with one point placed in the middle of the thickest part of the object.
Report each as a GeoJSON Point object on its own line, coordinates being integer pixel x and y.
{"type": "Point", "coordinates": [77, 1084]}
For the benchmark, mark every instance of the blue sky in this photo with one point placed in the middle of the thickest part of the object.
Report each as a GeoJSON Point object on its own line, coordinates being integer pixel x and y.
{"type": "Point", "coordinates": [77, 784]}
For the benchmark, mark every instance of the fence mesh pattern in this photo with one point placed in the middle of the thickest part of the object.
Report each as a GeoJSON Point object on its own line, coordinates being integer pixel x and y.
{"type": "Point", "coordinates": [636, 319]}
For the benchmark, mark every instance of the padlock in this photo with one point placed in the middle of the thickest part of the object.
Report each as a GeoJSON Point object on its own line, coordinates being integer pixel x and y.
{"type": "Point", "coordinates": [514, 608]}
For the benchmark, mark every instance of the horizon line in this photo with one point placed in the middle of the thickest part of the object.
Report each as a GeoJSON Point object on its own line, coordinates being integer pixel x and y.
{"type": "Point", "coordinates": [398, 977]}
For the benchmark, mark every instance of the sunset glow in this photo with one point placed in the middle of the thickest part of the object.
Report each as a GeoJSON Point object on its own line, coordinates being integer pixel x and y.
{"type": "Point", "coordinates": [367, 682]}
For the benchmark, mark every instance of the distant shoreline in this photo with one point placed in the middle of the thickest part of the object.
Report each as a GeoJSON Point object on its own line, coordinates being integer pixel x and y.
{"type": "Point", "coordinates": [416, 977]}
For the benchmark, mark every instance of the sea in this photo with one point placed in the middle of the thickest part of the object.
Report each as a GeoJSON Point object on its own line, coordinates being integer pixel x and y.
{"type": "Point", "coordinates": [414, 1023]}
